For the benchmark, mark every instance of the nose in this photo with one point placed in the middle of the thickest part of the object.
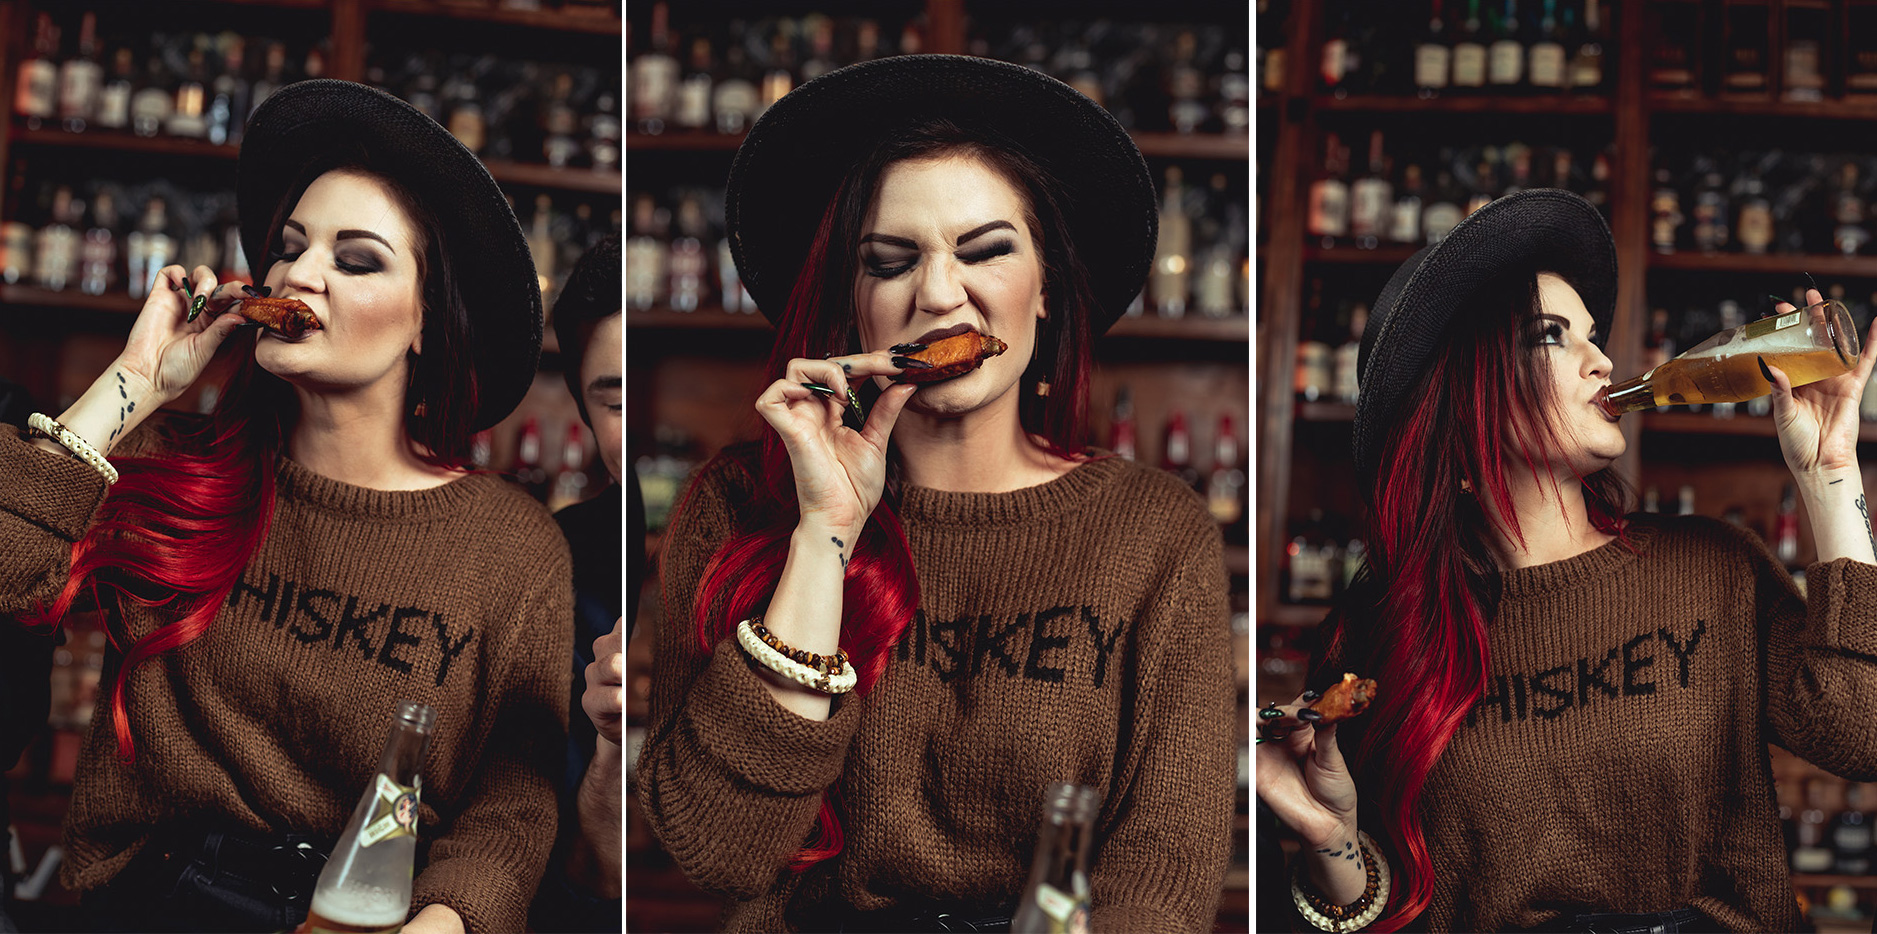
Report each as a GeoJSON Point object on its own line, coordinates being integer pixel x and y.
{"type": "Point", "coordinates": [301, 275]}
{"type": "Point", "coordinates": [1598, 363]}
{"type": "Point", "coordinates": [941, 285]}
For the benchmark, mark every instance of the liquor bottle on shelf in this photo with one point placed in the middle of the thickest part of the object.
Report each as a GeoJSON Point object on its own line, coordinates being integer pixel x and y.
{"type": "Point", "coordinates": [97, 255]}
{"type": "Point", "coordinates": [559, 122]}
{"type": "Point", "coordinates": [603, 131]}
{"type": "Point", "coordinates": [1313, 563]}
{"type": "Point", "coordinates": [1056, 896]}
{"type": "Point", "coordinates": [570, 481]}
{"type": "Point", "coordinates": [366, 883]}
{"type": "Point", "coordinates": [693, 107]}
{"type": "Point", "coordinates": [228, 94]}
{"type": "Point", "coordinates": [528, 469]}
{"type": "Point", "coordinates": [150, 105]}
{"type": "Point", "coordinates": [1329, 195]}
{"type": "Point", "coordinates": [1811, 852]}
{"type": "Point", "coordinates": [113, 110]}
{"type": "Point", "coordinates": [1586, 68]}
{"type": "Point", "coordinates": [150, 248]}
{"type": "Point", "coordinates": [1851, 833]}
{"type": "Point", "coordinates": [467, 121]}
{"type": "Point", "coordinates": [1176, 454]}
{"type": "Point", "coordinates": [1335, 63]}
{"type": "Point", "coordinates": [1186, 86]}
{"type": "Point", "coordinates": [1433, 56]}
{"type": "Point", "coordinates": [1121, 432]}
{"type": "Point", "coordinates": [1674, 50]}
{"type": "Point", "coordinates": [1469, 51]}
{"type": "Point", "coordinates": [1443, 208]}
{"type": "Point", "coordinates": [1234, 90]}
{"type": "Point", "coordinates": [1754, 228]}
{"type": "Point", "coordinates": [1225, 486]}
{"type": "Point", "coordinates": [779, 77]}
{"type": "Point", "coordinates": [1710, 214]}
{"type": "Point", "coordinates": [541, 246]}
{"type": "Point", "coordinates": [1806, 30]}
{"type": "Point", "coordinates": [1273, 59]}
{"type": "Point", "coordinates": [655, 76]}
{"type": "Point", "coordinates": [736, 100]}
{"type": "Point", "coordinates": [1850, 234]}
{"type": "Point", "coordinates": [36, 86]}
{"type": "Point", "coordinates": [1484, 185]}
{"type": "Point", "coordinates": [1786, 527]}
{"type": "Point", "coordinates": [55, 254]}
{"type": "Point", "coordinates": [1505, 58]}
{"type": "Point", "coordinates": [730, 292]}
{"type": "Point", "coordinates": [1545, 69]}
{"type": "Point", "coordinates": [1346, 376]}
{"type": "Point", "coordinates": [188, 115]}
{"type": "Point", "coordinates": [81, 78]}
{"type": "Point", "coordinates": [1167, 284]}
{"type": "Point", "coordinates": [1371, 198]}
{"type": "Point", "coordinates": [1685, 500]}
{"type": "Point", "coordinates": [1665, 217]}
{"type": "Point", "coordinates": [1860, 47]}
{"type": "Point", "coordinates": [273, 75]}
{"type": "Point", "coordinates": [16, 236]}
{"type": "Point", "coordinates": [1404, 225]}
{"type": "Point", "coordinates": [1746, 38]}
{"type": "Point", "coordinates": [686, 264]}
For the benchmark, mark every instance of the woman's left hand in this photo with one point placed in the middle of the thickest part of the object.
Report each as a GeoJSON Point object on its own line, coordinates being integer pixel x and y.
{"type": "Point", "coordinates": [1818, 422]}
{"type": "Point", "coordinates": [436, 919]}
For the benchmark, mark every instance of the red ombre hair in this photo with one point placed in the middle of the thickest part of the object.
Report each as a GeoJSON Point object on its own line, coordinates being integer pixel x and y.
{"type": "Point", "coordinates": [882, 588]}
{"type": "Point", "coordinates": [1417, 615]}
{"type": "Point", "coordinates": [177, 529]}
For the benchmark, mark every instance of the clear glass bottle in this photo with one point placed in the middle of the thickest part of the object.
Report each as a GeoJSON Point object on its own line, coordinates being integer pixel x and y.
{"type": "Point", "coordinates": [1168, 282]}
{"type": "Point", "coordinates": [1505, 58]}
{"type": "Point", "coordinates": [1545, 68]}
{"type": "Point", "coordinates": [55, 255]}
{"type": "Point", "coordinates": [97, 256]}
{"type": "Point", "coordinates": [81, 78]}
{"type": "Point", "coordinates": [1056, 897]}
{"type": "Point", "coordinates": [366, 885]}
{"type": "Point", "coordinates": [36, 86]}
{"type": "Point", "coordinates": [655, 73]}
{"type": "Point", "coordinates": [1808, 344]}
{"type": "Point", "coordinates": [150, 247]}
{"type": "Point", "coordinates": [1433, 56]}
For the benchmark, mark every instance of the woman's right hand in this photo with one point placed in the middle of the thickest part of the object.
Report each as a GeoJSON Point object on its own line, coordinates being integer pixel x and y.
{"type": "Point", "coordinates": [1302, 776]}
{"type": "Point", "coordinates": [165, 349]}
{"type": "Point", "coordinates": [839, 472]}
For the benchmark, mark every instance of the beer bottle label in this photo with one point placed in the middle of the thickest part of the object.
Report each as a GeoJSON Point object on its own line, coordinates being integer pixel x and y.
{"type": "Point", "coordinates": [394, 813]}
{"type": "Point", "coordinates": [1766, 326]}
{"type": "Point", "coordinates": [1067, 913]}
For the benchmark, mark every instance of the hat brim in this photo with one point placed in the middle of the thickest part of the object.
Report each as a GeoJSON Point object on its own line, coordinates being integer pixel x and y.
{"type": "Point", "coordinates": [306, 122]}
{"type": "Point", "coordinates": [795, 157]}
{"type": "Point", "coordinates": [1541, 229]}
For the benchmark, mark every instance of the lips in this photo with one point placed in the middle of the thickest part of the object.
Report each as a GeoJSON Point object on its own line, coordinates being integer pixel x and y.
{"type": "Point", "coordinates": [938, 334]}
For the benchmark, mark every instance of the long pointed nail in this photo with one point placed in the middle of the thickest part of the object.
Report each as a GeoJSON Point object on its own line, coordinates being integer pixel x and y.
{"type": "Point", "coordinates": [1808, 278]}
{"type": "Point", "coordinates": [1776, 299]}
{"type": "Point", "coordinates": [1311, 695]}
{"type": "Point", "coordinates": [817, 387]}
{"type": "Point", "coordinates": [1270, 713]}
{"type": "Point", "coordinates": [1764, 371]}
{"type": "Point", "coordinates": [1309, 716]}
{"type": "Point", "coordinates": [913, 347]}
{"type": "Point", "coordinates": [908, 363]}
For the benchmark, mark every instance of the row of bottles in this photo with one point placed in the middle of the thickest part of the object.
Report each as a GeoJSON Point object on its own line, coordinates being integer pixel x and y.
{"type": "Point", "coordinates": [1828, 822]}
{"type": "Point", "coordinates": [677, 256]}
{"type": "Point", "coordinates": [1154, 77]}
{"type": "Point", "coordinates": [567, 116]}
{"type": "Point", "coordinates": [566, 477]}
{"type": "Point", "coordinates": [1416, 197]}
{"type": "Point", "coordinates": [1221, 478]}
{"type": "Point", "coordinates": [1320, 558]}
{"type": "Point", "coordinates": [1772, 201]}
{"type": "Point", "coordinates": [1761, 49]}
{"type": "Point", "coordinates": [1202, 263]}
{"type": "Point", "coordinates": [1434, 48]}
{"type": "Point", "coordinates": [189, 85]}
{"type": "Point", "coordinates": [1780, 530]}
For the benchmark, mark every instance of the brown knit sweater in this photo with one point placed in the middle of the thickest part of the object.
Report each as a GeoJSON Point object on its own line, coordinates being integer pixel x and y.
{"type": "Point", "coordinates": [1618, 760]}
{"type": "Point", "coordinates": [1072, 631]}
{"type": "Point", "coordinates": [457, 596]}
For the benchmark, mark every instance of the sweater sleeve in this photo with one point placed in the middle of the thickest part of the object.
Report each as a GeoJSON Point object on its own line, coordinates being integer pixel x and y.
{"type": "Point", "coordinates": [1821, 662]}
{"type": "Point", "coordinates": [488, 860]}
{"type": "Point", "coordinates": [730, 781]}
{"type": "Point", "coordinates": [47, 501]}
{"type": "Point", "coordinates": [1167, 842]}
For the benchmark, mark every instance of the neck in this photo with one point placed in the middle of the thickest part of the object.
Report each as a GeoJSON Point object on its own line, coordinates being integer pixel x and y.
{"type": "Point", "coordinates": [986, 451]}
{"type": "Point", "coordinates": [358, 438]}
{"type": "Point", "coordinates": [1553, 519]}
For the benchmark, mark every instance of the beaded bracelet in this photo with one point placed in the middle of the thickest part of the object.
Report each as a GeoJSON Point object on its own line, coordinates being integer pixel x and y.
{"type": "Point", "coordinates": [1324, 915]}
{"type": "Point", "coordinates": [829, 674]}
{"type": "Point", "coordinates": [44, 426]}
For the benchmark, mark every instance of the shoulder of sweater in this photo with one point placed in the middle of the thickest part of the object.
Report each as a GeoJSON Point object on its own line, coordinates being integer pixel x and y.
{"type": "Point", "coordinates": [524, 523]}
{"type": "Point", "coordinates": [1155, 490]}
{"type": "Point", "coordinates": [1684, 534]}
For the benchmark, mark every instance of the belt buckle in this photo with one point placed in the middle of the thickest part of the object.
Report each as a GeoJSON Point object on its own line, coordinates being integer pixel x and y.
{"type": "Point", "coordinates": [309, 857]}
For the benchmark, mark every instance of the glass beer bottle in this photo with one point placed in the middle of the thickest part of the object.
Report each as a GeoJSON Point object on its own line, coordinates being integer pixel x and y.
{"type": "Point", "coordinates": [1809, 344]}
{"type": "Point", "coordinates": [1056, 898]}
{"type": "Point", "coordinates": [366, 885]}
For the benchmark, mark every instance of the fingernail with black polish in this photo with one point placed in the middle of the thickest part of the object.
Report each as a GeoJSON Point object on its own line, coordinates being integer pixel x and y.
{"type": "Point", "coordinates": [817, 387]}
{"type": "Point", "coordinates": [913, 347]}
{"type": "Point", "coordinates": [1764, 371]}
{"type": "Point", "coordinates": [1309, 716]}
{"type": "Point", "coordinates": [1270, 713]}
{"type": "Point", "coordinates": [1312, 695]}
{"type": "Point", "coordinates": [908, 363]}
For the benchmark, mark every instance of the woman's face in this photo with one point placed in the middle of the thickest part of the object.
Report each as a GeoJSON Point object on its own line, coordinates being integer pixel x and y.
{"type": "Point", "coordinates": [347, 251]}
{"type": "Point", "coordinates": [1563, 333]}
{"type": "Point", "coordinates": [945, 244]}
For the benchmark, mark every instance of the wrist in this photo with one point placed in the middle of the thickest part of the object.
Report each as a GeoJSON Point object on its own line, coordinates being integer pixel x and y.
{"type": "Point", "coordinates": [136, 387]}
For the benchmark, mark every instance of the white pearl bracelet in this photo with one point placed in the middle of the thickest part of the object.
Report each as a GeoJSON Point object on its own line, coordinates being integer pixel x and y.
{"type": "Point", "coordinates": [812, 678]}
{"type": "Point", "coordinates": [1377, 903]}
{"type": "Point", "coordinates": [80, 448]}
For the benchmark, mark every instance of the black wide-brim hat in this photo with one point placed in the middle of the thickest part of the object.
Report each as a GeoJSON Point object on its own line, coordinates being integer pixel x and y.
{"type": "Point", "coordinates": [795, 157]}
{"type": "Point", "coordinates": [306, 123]}
{"type": "Point", "coordinates": [1538, 230]}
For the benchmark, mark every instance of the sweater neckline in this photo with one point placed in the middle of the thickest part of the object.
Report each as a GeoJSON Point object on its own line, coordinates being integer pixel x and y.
{"type": "Point", "coordinates": [296, 481]}
{"type": "Point", "coordinates": [1602, 561]}
{"type": "Point", "coordinates": [1052, 497]}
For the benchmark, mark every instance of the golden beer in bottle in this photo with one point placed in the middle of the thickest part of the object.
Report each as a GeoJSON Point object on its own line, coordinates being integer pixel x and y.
{"type": "Point", "coordinates": [1808, 344]}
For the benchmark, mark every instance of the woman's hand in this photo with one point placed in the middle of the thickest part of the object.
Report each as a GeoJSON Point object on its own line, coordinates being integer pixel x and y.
{"type": "Point", "coordinates": [167, 351]}
{"type": "Point", "coordinates": [1302, 776]}
{"type": "Point", "coordinates": [1818, 422]}
{"type": "Point", "coordinates": [839, 472]}
{"type": "Point", "coordinates": [435, 919]}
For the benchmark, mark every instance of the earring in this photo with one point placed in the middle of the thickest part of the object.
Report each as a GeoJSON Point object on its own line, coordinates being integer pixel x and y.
{"type": "Point", "coordinates": [1466, 486]}
{"type": "Point", "coordinates": [1042, 386]}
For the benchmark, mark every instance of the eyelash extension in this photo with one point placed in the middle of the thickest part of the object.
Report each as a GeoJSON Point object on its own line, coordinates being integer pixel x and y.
{"type": "Point", "coordinates": [991, 252]}
{"type": "Point", "coordinates": [884, 270]}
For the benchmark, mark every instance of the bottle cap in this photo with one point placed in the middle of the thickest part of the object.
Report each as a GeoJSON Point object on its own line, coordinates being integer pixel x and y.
{"type": "Point", "coordinates": [418, 716]}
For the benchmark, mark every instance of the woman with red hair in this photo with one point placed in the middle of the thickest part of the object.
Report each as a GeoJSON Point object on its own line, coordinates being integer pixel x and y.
{"type": "Point", "coordinates": [1573, 706]}
{"type": "Point", "coordinates": [914, 606]}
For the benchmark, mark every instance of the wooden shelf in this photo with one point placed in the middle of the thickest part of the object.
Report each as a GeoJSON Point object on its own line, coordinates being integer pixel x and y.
{"type": "Point", "coordinates": [1547, 105]}
{"type": "Point", "coordinates": [1847, 109]}
{"type": "Point", "coordinates": [1392, 254]}
{"type": "Point", "coordinates": [1826, 881]}
{"type": "Point", "coordinates": [703, 319]}
{"type": "Point", "coordinates": [1325, 412]}
{"type": "Point", "coordinates": [1294, 614]}
{"type": "Point", "coordinates": [1192, 327]}
{"type": "Point", "coordinates": [26, 296]}
{"type": "Point", "coordinates": [599, 24]}
{"type": "Point", "coordinates": [1741, 425]}
{"type": "Point", "coordinates": [1784, 263]}
{"type": "Point", "coordinates": [539, 175]}
{"type": "Point", "coordinates": [1162, 145]}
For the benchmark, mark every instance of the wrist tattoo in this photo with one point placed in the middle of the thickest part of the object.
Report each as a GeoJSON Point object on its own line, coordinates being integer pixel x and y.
{"type": "Point", "coordinates": [1865, 512]}
{"type": "Point", "coordinates": [126, 407]}
{"type": "Point", "coordinates": [842, 554]}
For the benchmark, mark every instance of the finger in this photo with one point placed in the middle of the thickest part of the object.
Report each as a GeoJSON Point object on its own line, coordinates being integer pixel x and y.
{"type": "Point", "coordinates": [1329, 756]}
{"type": "Point", "coordinates": [1868, 358]}
{"type": "Point", "coordinates": [862, 365]}
{"type": "Point", "coordinates": [1782, 391]}
{"type": "Point", "coordinates": [1812, 297]}
{"type": "Point", "coordinates": [886, 413]}
{"type": "Point", "coordinates": [218, 329]}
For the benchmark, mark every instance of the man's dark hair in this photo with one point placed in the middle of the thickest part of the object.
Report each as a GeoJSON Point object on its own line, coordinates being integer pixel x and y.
{"type": "Point", "coordinates": [590, 296]}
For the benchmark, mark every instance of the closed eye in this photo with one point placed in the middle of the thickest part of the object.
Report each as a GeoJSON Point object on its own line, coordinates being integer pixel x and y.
{"type": "Point", "coordinates": [990, 251]}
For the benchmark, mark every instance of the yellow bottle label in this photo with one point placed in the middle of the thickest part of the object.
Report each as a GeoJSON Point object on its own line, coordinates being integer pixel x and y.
{"type": "Point", "coordinates": [394, 813]}
{"type": "Point", "coordinates": [1067, 913]}
{"type": "Point", "coordinates": [1769, 325]}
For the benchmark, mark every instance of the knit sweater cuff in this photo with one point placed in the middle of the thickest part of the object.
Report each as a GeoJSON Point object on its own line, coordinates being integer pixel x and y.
{"type": "Point", "coordinates": [1139, 918]}
{"type": "Point", "coordinates": [739, 723]}
{"type": "Point", "coordinates": [49, 490]}
{"type": "Point", "coordinates": [485, 895]}
{"type": "Point", "coordinates": [1843, 598]}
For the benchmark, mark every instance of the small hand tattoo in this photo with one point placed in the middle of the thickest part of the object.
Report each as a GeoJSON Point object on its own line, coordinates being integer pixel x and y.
{"type": "Point", "coordinates": [1865, 512]}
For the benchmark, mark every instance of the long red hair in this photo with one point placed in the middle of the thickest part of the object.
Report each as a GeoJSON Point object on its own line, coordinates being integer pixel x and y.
{"type": "Point", "coordinates": [1416, 618]}
{"type": "Point", "coordinates": [882, 589]}
{"type": "Point", "coordinates": [177, 529]}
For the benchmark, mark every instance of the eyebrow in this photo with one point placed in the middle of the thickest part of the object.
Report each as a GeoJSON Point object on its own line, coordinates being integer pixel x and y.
{"type": "Point", "coordinates": [963, 238]}
{"type": "Point", "coordinates": [604, 383]}
{"type": "Point", "coordinates": [348, 235]}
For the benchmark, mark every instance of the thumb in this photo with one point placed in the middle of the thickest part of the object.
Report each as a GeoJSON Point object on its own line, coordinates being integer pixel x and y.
{"type": "Point", "coordinates": [1329, 756]}
{"type": "Point", "coordinates": [220, 328]}
{"type": "Point", "coordinates": [885, 413]}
